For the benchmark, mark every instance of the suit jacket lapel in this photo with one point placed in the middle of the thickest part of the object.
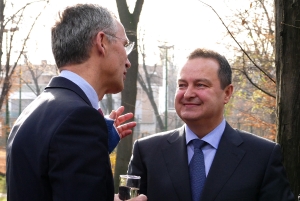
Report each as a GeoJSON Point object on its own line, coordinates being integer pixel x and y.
{"type": "Point", "coordinates": [175, 156]}
{"type": "Point", "coordinates": [227, 158]}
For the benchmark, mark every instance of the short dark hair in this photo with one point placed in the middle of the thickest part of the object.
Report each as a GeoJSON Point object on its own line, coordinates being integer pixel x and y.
{"type": "Point", "coordinates": [225, 73]}
{"type": "Point", "coordinates": [73, 34]}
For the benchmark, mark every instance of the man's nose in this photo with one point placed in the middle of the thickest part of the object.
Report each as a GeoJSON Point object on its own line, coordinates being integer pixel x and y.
{"type": "Point", "coordinates": [189, 92]}
{"type": "Point", "coordinates": [127, 64]}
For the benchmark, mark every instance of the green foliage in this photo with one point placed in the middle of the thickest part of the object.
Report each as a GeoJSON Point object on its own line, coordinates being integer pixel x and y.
{"type": "Point", "coordinates": [2, 188]}
{"type": "Point", "coordinates": [2, 184]}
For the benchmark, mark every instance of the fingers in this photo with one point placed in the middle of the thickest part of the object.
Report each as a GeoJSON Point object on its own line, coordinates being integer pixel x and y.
{"type": "Point", "coordinates": [126, 126]}
{"type": "Point", "coordinates": [125, 129]}
{"type": "Point", "coordinates": [116, 113]}
{"type": "Point", "coordinates": [124, 117]}
{"type": "Point", "coordinates": [116, 198]}
{"type": "Point", "coordinates": [120, 110]}
{"type": "Point", "coordinates": [125, 133]}
{"type": "Point", "coordinates": [139, 198]}
{"type": "Point", "coordinates": [113, 114]}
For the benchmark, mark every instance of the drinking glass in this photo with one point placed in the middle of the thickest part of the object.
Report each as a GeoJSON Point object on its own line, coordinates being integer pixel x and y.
{"type": "Point", "coordinates": [129, 186]}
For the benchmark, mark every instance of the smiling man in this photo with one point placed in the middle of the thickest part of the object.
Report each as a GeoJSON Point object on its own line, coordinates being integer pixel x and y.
{"type": "Point", "coordinates": [206, 159]}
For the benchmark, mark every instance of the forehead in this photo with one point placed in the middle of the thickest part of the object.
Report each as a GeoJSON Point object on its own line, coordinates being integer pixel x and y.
{"type": "Point", "coordinates": [120, 30]}
{"type": "Point", "coordinates": [198, 68]}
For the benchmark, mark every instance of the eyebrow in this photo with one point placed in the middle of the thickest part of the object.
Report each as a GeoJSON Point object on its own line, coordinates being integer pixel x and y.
{"type": "Point", "coordinates": [196, 80]}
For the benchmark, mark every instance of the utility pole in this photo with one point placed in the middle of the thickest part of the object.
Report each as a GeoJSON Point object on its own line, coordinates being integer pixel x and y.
{"type": "Point", "coordinates": [20, 91]}
{"type": "Point", "coordinates": [165, 47]}
{"type": "Point", "coordinates": [7, 116]}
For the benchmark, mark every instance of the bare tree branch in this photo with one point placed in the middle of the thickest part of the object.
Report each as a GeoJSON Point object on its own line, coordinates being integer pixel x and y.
{"type": "Point", "coordinates": [147, 87]}
{"type": "Point", "coordinates": [254, 84]}
{"type": "Point", "coordinates": [289, 25]}
{"type": "Point", "coordinates": [9, 70]}
{"type": "Point", "coordinates": [22, 10]}
{"type": "Point", "coordinates": [265, 73]}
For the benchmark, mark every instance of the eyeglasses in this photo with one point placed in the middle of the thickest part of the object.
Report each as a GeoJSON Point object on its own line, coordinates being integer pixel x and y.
{"type": "Point", "coordinates": [129, 45]}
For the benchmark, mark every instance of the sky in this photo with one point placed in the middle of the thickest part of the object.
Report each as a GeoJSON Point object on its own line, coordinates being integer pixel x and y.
{"type": "Point", "coordinates": [186, 24]}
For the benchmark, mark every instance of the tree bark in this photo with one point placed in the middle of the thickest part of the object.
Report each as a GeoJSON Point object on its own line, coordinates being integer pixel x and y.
{"type": "Point", "coordinates": [287, 58]}
{"type": "Point", "coordinates": [130, 23]}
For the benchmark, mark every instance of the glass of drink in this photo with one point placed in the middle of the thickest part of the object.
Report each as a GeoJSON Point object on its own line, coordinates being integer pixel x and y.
{"type": "Point", "coordinates": [129, 186]}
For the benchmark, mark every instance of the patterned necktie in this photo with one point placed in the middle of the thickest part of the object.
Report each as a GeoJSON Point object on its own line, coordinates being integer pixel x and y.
{"type": "Point", "coordinates": [197, 170]}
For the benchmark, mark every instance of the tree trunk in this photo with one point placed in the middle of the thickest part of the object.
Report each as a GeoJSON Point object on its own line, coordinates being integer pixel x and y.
{"type": "Point", "coordinates": [109, 105]}
{"type": "Point", "coordinates": [287, 58]}
{"type": "Point", "coordinates": [130, 23]}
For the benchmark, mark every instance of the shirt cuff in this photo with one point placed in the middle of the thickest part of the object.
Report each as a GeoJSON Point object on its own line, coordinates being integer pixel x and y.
{"type": "Point", "coordinates": [113, 135]}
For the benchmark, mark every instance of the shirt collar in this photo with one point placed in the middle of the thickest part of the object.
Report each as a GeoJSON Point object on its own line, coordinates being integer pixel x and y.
{"type": "Point", "coordinates": [84, 86]}
{"type": "Point", "coordinates": [212, 138]}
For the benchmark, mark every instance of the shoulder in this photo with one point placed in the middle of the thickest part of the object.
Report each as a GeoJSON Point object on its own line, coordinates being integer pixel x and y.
{"type": "Point", "coordinates": [251, 137]}
{"type": "Point", "coordinates": [159, 140]}
{"type": "Point", "coordinates": [247, 141]}
{"type": "Point", "coordinates": [239, 137]}
{"type": "Point", "coordinates": [159, 136]}
{"type": "Point", "coordinates": [255, 144]}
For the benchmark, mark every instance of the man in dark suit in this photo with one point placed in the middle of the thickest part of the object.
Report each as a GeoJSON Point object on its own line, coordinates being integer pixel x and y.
{"type": "Point", "coordinates": [58, 148]}
{"type": "Point", "coordinates": [231, 165]}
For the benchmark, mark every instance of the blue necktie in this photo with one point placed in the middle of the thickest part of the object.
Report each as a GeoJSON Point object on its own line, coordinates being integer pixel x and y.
{"type": "Point", "coordinates": [197, 170]}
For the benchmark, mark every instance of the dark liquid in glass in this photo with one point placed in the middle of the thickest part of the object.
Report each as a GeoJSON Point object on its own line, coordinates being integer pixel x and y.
{"type": "Point", "coordinates": [124, 193]}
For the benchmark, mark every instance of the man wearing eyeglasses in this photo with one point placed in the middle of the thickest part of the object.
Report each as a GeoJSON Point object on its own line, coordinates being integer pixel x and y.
{"type": "Point", "coordinates": [59, 147]}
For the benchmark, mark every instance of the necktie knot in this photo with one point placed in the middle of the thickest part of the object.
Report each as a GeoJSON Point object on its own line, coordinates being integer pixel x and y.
{"type": "Point", "coordinates": [198, 144]}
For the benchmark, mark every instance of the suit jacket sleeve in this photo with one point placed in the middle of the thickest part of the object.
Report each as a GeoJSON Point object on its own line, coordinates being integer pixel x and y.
{"type": "Point", "coordinates": [136, 167]}
{"type": "Point", "coordinates": [79, 166]}
{"type": "Point", "coordinates": [275, 185]}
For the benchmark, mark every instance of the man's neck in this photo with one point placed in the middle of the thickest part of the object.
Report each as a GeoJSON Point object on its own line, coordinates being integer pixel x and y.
{"type": "Point", "coordinates": [203, 127]}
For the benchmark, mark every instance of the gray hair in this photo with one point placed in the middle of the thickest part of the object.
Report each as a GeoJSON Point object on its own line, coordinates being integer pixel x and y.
{"type": "Point", "coordinates": [225, 73]}
{"type": "Point", "coordinates": [73, 34]}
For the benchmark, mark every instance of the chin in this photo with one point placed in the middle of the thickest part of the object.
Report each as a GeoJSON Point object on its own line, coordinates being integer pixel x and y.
{"type": "Point", "coordinates": [189, 117]}
{"type": "Point", "coordinates": [116, 89]}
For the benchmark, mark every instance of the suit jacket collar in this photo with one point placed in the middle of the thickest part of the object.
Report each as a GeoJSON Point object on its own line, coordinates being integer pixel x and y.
{"type": "Point", "coordinates": [227, 158]}
{"type": "Point", "coordinates": [176, 160]}
{"type": "Point", "coordinates": [63, 83]}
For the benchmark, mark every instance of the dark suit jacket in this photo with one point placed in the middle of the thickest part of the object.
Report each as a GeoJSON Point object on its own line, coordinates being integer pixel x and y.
{"type": "Point", "coordinates": [245, 168]}
{"type": "Point", "coordinates": [58, 149]}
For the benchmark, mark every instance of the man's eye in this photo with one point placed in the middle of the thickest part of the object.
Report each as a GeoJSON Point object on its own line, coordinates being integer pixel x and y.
{"type": "Point", "coordinates": [201, 85]}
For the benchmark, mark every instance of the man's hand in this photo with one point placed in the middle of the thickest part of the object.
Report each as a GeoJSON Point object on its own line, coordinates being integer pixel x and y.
{"type": "Point", "coordinates": [138, 198]}
{"type": "Point", "coordinates": [124, 129]}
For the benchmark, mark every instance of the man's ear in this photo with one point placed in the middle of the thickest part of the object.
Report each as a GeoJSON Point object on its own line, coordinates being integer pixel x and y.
{"type": "Point", "coordinates": [101, 43]}
{"type": "Point", "coordinates": [228, 92]}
